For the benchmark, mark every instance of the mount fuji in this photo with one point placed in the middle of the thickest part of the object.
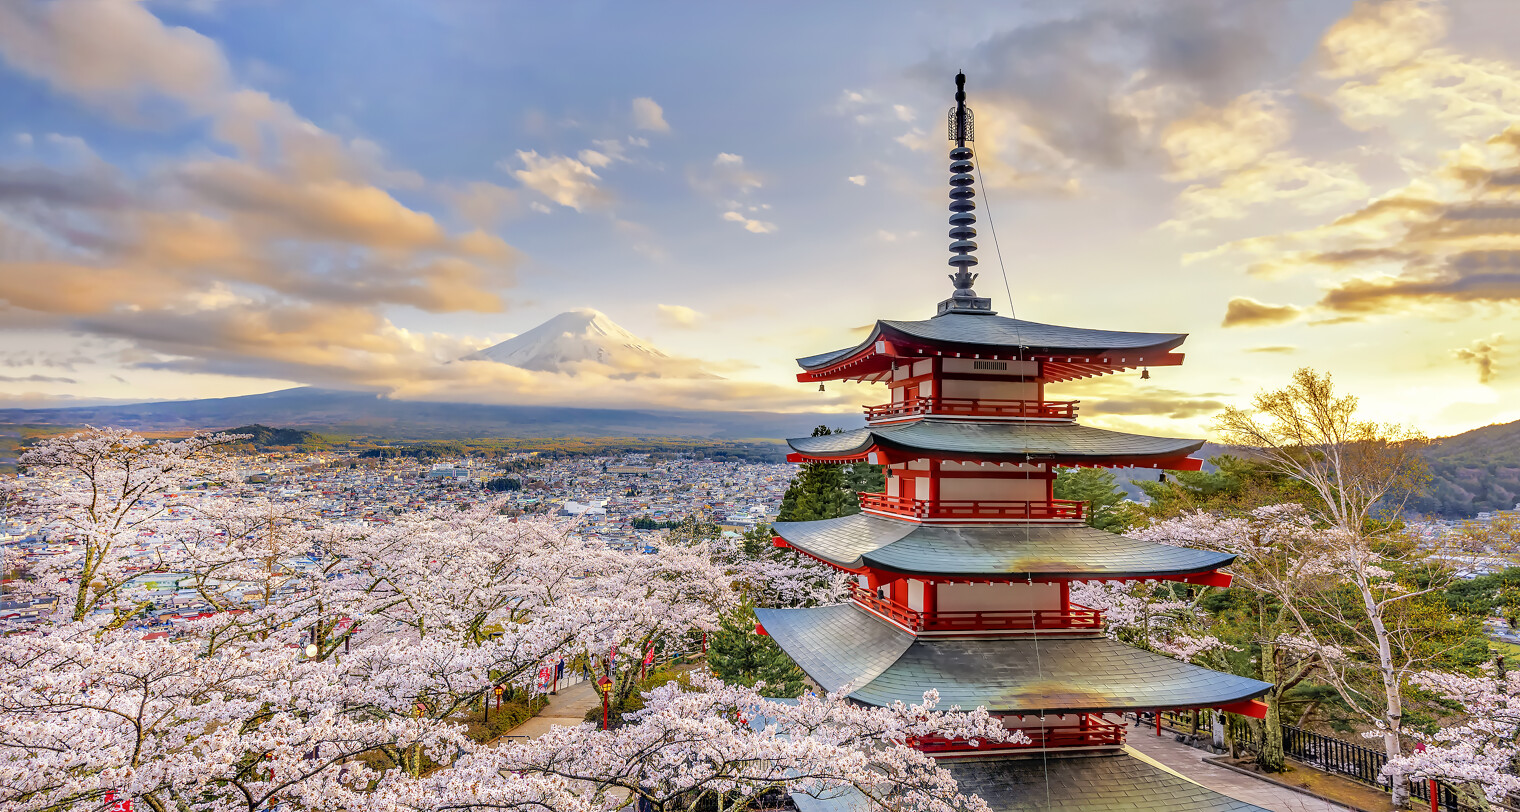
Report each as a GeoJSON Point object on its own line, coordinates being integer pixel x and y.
{"type": "Point", "coordinates": [575, 337]}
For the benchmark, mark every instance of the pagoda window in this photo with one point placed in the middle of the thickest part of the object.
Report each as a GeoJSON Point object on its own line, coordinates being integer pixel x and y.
{"type": "Point", "coordinates": [990, 389]}
{"type": "Point", "coordinates": [997, 597]}
{"type": "Point", "coordinates": [992, 490]}
{"type": "Point", "coordinates": [915, 595]}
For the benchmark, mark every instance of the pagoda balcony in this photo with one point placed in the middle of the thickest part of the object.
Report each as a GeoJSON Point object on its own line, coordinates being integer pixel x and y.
{"type": "Point", "coordinates": [973, 510]}
{"type": "Point", "coordinates": [1075, 618]}
{"type": "Point", "coordinates": [1091, 730]}
{"type": "Point", "coordinates": [973, 407]}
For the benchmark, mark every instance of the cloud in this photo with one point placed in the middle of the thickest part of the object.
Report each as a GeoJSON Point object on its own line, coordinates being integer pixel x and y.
{"type": "Point", "coordinates": [1060, 98]}
{"type": "Point", "coordinates": [1378, 36]}
{"type": "Point", "coordinates": [1246, 312]}
{"type": "Point", "coordinates": [858, 180]}
{"type": "Point", "coordinates": [1282, 349]}
{"type": "Point", "coordinates": [1167, 403]}
{"type": "Point", "coordinates": [272, 250]}
{"type": "Point", "coordinates": [1482, 353]}
{"type": "Point", "coordinates": [564, 180]}
{"type": "Point", "coordinates": [35, 379]}
{"type": "Point", "coordinates": [1217, 140]}
{"type": "Point", "coordinates": [753, 226]}
{"type": "Point", "coordinates": [678, 316]}
{"type": "Point", "coordinates": [647, 115]}
{"type": "Point", "coordinates": [113, 54]}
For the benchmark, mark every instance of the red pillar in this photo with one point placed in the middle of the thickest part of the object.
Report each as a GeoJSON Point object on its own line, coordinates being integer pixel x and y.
{"type": "Point", "coordinates": [1435, 796]}
{"type": "Point", "coordinates": [1158, 721]}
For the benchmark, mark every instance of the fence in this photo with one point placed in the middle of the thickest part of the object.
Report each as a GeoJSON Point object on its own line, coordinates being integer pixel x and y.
{"type": "Point", "coordinates": [1338, 757]}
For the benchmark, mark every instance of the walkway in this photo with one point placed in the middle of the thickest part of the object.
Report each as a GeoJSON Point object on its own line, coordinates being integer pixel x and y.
{"type": "Point", "coordinates": [1188, 762]}
{"type": "Point", "coordinates": [566, 709]}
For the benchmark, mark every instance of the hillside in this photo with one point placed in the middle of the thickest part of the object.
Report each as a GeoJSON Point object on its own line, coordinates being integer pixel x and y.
{"type": "Point", "coordinates": [262, 437]}
{"type": "Point", "coordinates": [1475, 471]}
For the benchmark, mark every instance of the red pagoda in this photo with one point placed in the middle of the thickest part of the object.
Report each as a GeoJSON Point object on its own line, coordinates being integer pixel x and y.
{"type": "Point", "coordinates": [964, 563]}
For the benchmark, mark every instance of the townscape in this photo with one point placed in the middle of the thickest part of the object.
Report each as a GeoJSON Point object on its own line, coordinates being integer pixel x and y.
{"type": "Point", "coordinates": [623, 502]}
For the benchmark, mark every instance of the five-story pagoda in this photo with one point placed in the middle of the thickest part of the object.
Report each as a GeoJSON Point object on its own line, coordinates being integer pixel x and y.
{"type": "Point", "coordinates": [964, 563]}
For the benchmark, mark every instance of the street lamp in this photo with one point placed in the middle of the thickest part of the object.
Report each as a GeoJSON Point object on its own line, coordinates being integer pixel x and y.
{"type": "Point", "coordinates": [604, 685]}
{"type": "Point", "coordinates": [311, 650]}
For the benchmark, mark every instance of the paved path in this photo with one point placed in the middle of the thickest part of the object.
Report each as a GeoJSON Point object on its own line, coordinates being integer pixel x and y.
{"type": "Point", "coordinates": [1188, 762]}
{"type": "Point", "coordinates": [567, 708]}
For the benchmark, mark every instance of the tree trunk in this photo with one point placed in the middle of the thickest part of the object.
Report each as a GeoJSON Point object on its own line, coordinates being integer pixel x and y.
{"type": "Point", "coordinates": [1218, 719]}
{"type": "Point", "coordinates": [1270, 755]}
{"type": "Point", "coordinates": [1398, 781]}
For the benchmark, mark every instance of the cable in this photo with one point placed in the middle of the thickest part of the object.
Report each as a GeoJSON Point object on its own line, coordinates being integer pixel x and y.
{"type": "Point", "coordinates": [992, 229]}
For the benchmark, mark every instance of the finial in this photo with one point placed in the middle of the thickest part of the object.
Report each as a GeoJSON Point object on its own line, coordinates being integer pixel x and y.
{"type": "Point", "coordinates": [961, 130]}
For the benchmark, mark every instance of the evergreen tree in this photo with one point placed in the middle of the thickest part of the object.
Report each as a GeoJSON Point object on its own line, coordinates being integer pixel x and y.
{"type": "Point", "coordinates": [741, 656]}
{"type": "Point", "coordinates": [824, 490]}
{"type": "Point", "coordinates": [1098, 488]}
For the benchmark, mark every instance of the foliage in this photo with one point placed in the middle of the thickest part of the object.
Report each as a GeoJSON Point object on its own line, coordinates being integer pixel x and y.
{"type": "Point", "coordinates": [263, 437]}
{"type": "Point", "coordinates": [1098, 488]}
{"type": "Point", "coordinates": [1474, 471]}
{"type": "Point", "coordinates": [739, 655]}
{"type": "Point", "coordinates": [823, 490]}
{"type": "Point", "coordinates": [503, 484]}
{"type": "Point", "coordinates": [1238, 485]}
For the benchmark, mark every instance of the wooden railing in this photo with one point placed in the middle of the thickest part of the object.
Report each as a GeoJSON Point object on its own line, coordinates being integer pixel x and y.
{"type": "Point", "coordinates": [1074, 618]}
{"type": "Point", "coordinates": [974, 509]}
{"type": "Point", "coordinates": [975, 407]}
{"type": "Point", "coordinates": [1091, 731]}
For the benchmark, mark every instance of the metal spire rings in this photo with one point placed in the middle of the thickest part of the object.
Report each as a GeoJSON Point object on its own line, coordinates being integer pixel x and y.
{"type": "Point", "coordinates": [962, 221]}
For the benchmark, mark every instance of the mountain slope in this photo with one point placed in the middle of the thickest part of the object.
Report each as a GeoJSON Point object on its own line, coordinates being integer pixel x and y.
{"type": "Point", "coordinates": [1474, 471]}
{"type": "Point", "coordinates": [570, 338]}
{"type": "Point", "coordinates": [332, 411]}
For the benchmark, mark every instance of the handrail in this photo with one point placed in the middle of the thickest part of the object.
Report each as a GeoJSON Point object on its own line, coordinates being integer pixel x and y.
{"type": "Point", "coordinates": [1037, 509]}
{"type": "Point", "coordinates": [1074, 617]}
{"type": "Point", "coordinates": [975, 407]}
{"type": "Point", "coordinates": [1092, 731]}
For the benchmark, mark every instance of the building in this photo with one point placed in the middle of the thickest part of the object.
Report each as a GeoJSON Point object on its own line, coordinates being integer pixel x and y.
{"type": "Point", "coordinates": [964, 563]}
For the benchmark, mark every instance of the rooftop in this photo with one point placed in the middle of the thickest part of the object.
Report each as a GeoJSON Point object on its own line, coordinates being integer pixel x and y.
{"type": "Point", "coordinates": [842, 644]}
{"type": "Point", "coordinates": [1027, 551]}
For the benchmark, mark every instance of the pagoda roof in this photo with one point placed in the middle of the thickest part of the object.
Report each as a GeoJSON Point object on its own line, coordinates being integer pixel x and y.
{"type": "Point", "coordinates": [1055, 442]}
{"type": "Point", "coordinates": [1028, 551]}
{"type": "Point", "coordinates": [844, 645]}
{"type": "Point", "coordinates": [1072, 782]}
{"type": "Point", "coordinates": [1074, 351]}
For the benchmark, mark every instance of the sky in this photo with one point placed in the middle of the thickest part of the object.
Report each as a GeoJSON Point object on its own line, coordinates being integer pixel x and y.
{"type": "Point", "coordinates": [205, 198]}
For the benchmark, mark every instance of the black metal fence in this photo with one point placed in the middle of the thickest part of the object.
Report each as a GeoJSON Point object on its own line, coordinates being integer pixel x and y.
{"type": "Point", "coordinates": [1332, 755]}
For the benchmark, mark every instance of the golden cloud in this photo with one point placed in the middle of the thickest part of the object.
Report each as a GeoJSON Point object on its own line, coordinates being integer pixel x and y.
{"type": "Point", "coordinates": [1246, 312]}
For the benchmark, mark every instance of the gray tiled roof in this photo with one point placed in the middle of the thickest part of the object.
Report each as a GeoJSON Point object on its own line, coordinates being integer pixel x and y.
{"type": "Point", "coordinates": [1100, 782]}
{"type": "Point", "coordinates": [1075, 551]}
{"type": "Point", "coordinates": [1002, 332]}
{"type": "Point", "coordinates": [1044, 441]}
{"type": "Point", "coordinates": [841, 644]}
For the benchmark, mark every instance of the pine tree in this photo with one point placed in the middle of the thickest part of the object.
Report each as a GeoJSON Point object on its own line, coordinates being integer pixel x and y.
{"type": "Point", "coordinates": [827, 490]}
{"type": "Point", "coordinates": [1098, 489]}
{"type": "Point", "coordinates": [741, 656]}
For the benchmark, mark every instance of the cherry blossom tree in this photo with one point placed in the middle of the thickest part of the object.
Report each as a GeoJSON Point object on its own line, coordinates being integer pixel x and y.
{"type": "Point", "coordinates": [98, 490]}
{"type": "Point", "coordinates": [716, 740]}
{"type": "Point", "coordinates": [1349, 609]}
{"type": "Point", "coordinates": [336, 663]}
{"type": "Point", "coordinates": [1478, 753]}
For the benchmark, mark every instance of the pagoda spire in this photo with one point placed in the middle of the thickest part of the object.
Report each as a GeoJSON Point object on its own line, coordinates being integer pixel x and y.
{"type": "Point", "coordinates": [962, 230]}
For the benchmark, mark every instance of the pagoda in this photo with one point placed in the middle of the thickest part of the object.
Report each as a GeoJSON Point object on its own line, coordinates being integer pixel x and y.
{"type": "Point", "coordinates": [963, 564]}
